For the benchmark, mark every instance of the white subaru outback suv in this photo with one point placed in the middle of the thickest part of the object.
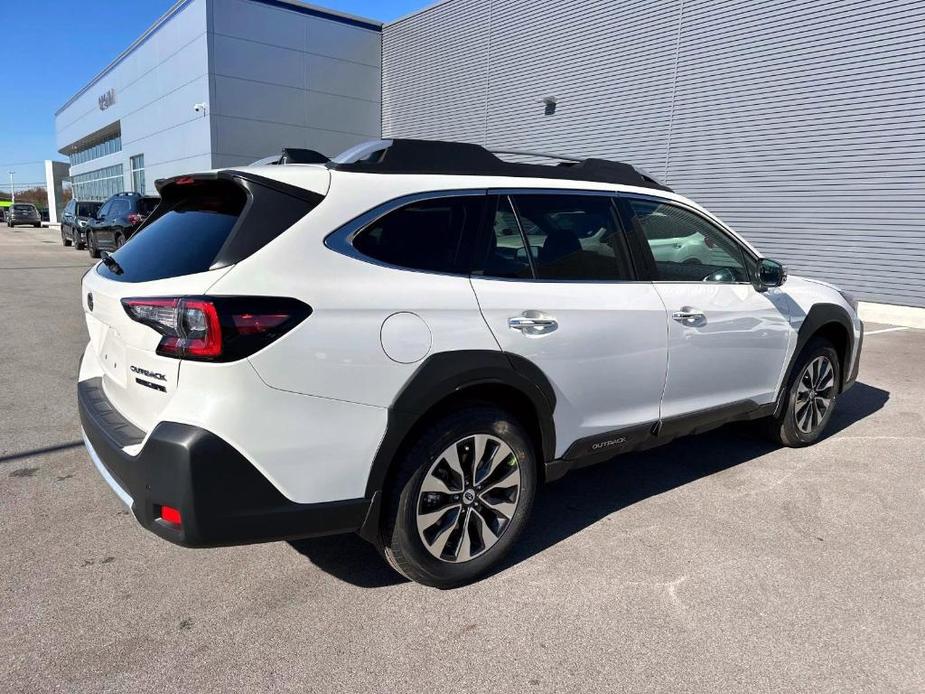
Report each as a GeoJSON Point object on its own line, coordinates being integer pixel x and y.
{"type": "Point", "coordinates": [405, 341]}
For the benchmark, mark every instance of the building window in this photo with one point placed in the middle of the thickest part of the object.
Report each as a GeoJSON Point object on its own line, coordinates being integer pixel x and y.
{"type": "Point", "coordinates": [99, 184]}
{"type": "Point", "coordinates": [138, 173]}
{"type": "Point", "coordinates": [95, 151]}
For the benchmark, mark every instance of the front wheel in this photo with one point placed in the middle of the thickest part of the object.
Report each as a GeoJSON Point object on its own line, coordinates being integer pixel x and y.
{"type": "Point", "coordinates": [91, 245]}
{"type": "Point", "coordinates": [460, 498]}
{"type": "Point", "coordinates": [65, 238]}
{"type": "Point", "coordinates": [810, 396]}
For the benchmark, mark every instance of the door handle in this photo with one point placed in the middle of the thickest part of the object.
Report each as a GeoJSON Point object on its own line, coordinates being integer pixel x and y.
{"type": "Point", "coordinates": [688, 316]}
{"type": "Point", "coordinates": [533, 323]}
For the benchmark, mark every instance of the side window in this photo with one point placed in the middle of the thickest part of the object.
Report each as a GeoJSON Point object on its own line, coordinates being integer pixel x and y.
{"type": "Point", "coordinates": [686, 247]}
{"type": "Point", "coordinates": [573, 237]}
{"type": "Point", "coordinates": [104, 210]}
{"type": "Point", "coordinates": [432, 235]}
{"type": "Point", "coordinates": [507, 255]}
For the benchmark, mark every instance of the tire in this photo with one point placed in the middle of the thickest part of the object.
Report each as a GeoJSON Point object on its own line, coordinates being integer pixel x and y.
{"type": "Point", "coordinates": [796, 426]}
{"type": "Point", "coordinates": [65, 240]}
{"type": "Point", "coordinates": [91, 245]}
{"type": "Point", "coordinates": [78, 244]}
{"type": "Point", "coordinates": [37, 225]}
{"type": "Point", "coordinates": [512, 477]}
{"type": "Point", "coordinates": [10, 225]}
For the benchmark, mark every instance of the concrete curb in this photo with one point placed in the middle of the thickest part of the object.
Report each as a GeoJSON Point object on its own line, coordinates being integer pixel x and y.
{"type": "Point", "coordinates": [908, 316]}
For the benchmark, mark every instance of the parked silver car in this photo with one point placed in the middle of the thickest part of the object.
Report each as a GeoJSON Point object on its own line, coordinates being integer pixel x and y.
{"type": "Point", "coordinates": [23, 213]}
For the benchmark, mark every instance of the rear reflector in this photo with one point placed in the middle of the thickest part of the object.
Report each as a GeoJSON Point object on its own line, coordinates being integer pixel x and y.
{"type": "Point", "coordinates": [222, 328]}
{"type": "Point", "coordinates": [170, 515]}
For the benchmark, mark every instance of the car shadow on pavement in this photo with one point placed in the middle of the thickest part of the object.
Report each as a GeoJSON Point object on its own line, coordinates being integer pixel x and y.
{"type": "Point", "coordinates": [584, 497]}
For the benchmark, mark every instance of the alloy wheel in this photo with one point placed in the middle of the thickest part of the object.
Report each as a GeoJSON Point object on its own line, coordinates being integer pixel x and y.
{"type": "Point", "coordinates": [815, 392]}
{"type": "Point", "coordinates": [468, 498]}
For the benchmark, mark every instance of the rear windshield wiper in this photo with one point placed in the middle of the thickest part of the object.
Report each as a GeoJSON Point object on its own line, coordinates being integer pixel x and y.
{"type": "Point", "coordinates": [112, 264]}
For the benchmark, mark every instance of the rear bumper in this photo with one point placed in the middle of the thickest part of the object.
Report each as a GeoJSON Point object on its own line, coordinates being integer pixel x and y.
{"type": "Point", "coordinates": [222, 498]}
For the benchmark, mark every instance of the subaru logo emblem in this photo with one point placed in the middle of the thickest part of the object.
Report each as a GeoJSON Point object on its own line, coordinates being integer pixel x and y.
{"type": "Point", "coordinates": [90, 300]}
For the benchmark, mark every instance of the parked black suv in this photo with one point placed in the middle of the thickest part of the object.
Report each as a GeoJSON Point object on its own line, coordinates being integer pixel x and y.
{"type": "Point", "coordinates": [74, 222]}
{"type": "Point", "coordinates": [117, 220]}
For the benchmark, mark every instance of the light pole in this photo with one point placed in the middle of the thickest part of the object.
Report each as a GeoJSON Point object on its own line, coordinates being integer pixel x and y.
{"type": "Point", "coordinates": [12, 189]}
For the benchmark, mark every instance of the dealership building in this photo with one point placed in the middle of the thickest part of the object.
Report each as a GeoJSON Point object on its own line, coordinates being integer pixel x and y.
{"type": "Point", "coordinates": [802, 125]}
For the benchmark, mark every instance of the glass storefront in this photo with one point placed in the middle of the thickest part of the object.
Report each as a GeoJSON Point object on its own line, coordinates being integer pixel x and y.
{"type": "Point", "coordinates": [99, 184]}
{"type": "Point", "coordinates": [100, 149]}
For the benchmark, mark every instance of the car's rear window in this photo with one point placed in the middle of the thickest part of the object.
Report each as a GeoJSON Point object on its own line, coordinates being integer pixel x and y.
{"type": "Point", "coordinates": [24, 208]}
{"type": "Point", "coordinates": [185, 238]}
{"type": "Point", "coordinates": [202, 224]}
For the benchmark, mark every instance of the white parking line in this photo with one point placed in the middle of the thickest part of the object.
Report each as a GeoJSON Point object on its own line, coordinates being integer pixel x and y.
{"type": "Point", "coordinates": [884, 330]}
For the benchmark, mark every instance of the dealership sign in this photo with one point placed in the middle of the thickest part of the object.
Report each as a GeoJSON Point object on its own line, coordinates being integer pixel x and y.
{"type": "Point", "coordinates": [107, 99]}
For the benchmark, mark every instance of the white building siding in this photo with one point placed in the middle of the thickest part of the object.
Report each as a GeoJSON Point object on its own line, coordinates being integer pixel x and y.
{"type": "Point", "coordinates": [801, 124]}
{"type": "Point", "coordinates": [155, 87]}
{"type": "Point", "coordinates": [271, 73]}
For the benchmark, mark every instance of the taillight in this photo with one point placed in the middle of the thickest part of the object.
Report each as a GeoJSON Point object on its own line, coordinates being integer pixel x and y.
{"type": "Point", "coordinates": [220, 328]}
{"type": "Point", "coordinates": [135, 218]}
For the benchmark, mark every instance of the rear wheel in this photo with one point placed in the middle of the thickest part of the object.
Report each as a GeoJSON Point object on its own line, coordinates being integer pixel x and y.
{"type": "Point", "coordinates": [120, 241]}
{"type": "Point", "coordinates": [91, 245]}
{"type": "Point", "coordinates": [460, 498]}
{"type": "Point", "coordinates": [810, 396]}
{"type": "Point", "coordinates": [37, 225]}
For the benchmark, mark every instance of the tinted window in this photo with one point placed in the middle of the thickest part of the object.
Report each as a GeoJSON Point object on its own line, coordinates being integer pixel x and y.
{"type": "Point", "coordinates": [573, 237]}
{"type": "Point", "coordinates": [185, 239]}
{"type": "Point", "coordinates": [120, 207]}
{"type": "Point", "coordinates": [104, 210]}
{"type": "Point", "coordinates": [506, 254]}
{"type": "Point", "coordinates": [431, 235]}
{"type": "Point", "coordinates": [147, 205]}
{"type": "Point", "coordinates": [686, 247]}
{"type": "Point", "coordinates": [87, 209]}
{"type": "Point", "coordinates": [24, 208]}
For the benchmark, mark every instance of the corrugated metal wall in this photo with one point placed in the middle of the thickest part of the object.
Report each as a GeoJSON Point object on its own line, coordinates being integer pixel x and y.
{"type": "Point", "coordinates": [801, 124]}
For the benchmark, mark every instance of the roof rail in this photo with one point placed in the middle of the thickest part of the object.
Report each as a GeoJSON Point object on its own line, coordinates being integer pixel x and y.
{"type": "Point", "coordinates": [403, 156]}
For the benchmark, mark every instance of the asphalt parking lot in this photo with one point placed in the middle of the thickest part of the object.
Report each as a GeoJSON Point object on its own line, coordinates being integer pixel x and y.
{"type": "Point", "coordinates": [717, 563]}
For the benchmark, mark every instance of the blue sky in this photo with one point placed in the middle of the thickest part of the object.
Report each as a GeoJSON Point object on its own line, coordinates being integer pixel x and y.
{"type": "Point", "coordinates": [51, 48]}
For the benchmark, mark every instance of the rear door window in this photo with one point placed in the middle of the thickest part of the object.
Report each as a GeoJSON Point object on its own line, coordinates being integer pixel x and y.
{"type": "Point", "coordinates": [573, 237]}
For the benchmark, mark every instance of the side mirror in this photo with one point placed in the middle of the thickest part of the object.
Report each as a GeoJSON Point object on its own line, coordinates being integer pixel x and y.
{"type": "Point", "coordinates": [770, 274]}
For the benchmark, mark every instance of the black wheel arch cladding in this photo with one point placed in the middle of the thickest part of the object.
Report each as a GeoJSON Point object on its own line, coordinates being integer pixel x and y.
{"type": "Point", "coordinates": [445, 374]}
{"type": "Point", "coordinates": [821, 320]}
